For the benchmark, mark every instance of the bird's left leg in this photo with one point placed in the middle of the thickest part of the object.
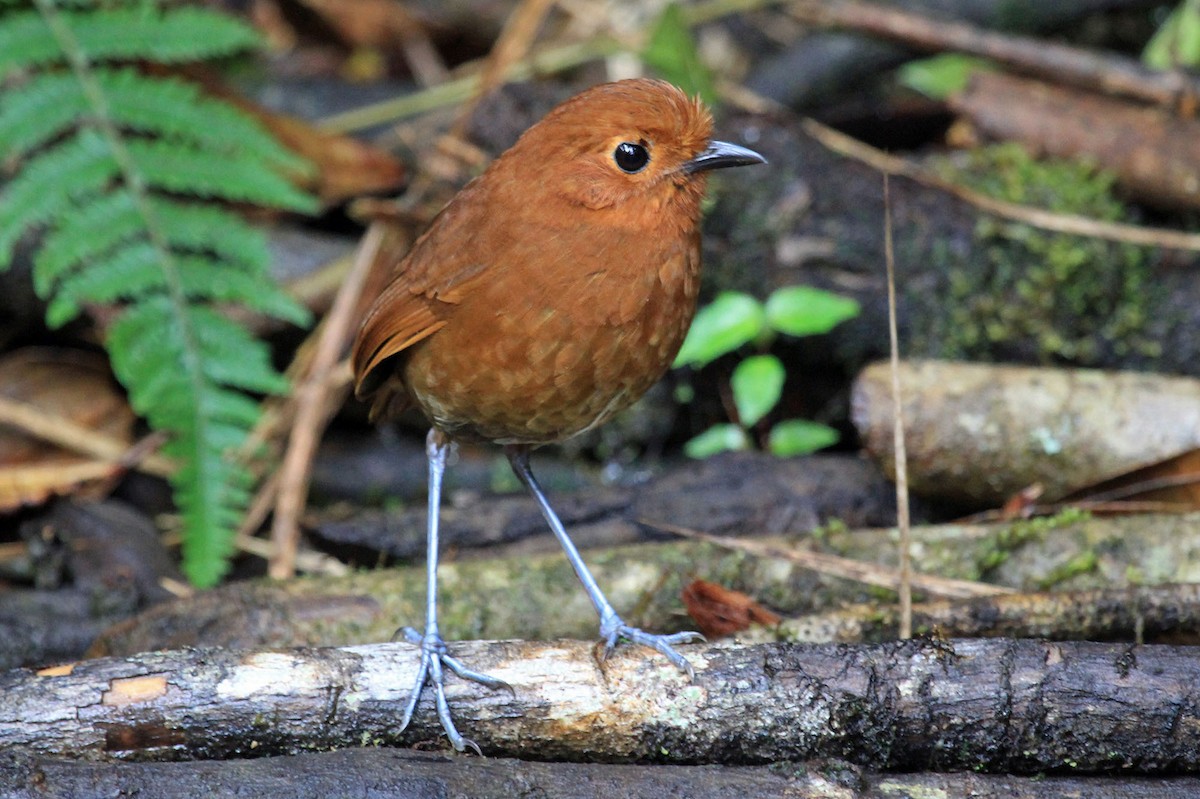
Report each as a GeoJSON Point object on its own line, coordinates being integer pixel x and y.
{"type": "Point", "coordinates": [434, 654]}
{"type": "Point", "coordinates": [612, 628]}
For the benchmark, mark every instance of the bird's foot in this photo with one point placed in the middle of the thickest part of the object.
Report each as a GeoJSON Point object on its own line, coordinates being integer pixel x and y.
{"type": "Point", "coordinates": [613, 629]}
{"type": "Point", "coordinates": [435, 656]}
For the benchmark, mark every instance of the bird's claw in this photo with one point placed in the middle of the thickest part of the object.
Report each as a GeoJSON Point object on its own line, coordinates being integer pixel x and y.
{"type": "Point", "coordinates": [613, 630]}
{"type": "Point", "coordinates": [435, 655]}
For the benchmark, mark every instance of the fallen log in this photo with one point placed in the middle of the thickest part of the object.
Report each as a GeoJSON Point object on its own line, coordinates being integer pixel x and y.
{"type": "Point", "coordinates": [1004, 706]}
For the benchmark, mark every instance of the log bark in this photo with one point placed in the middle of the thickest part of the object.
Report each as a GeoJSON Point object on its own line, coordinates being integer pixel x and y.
{"type": "Point", "coordinates": [1154, 153]}
{"type": "Point", "coordinates": [1140, 614]}
{"type": "Point", "coordinates": [1107, 72]}
{"type": "Point", "coordinates": [983, 432]}
{"type": "Point", "coordinates": [980, 705]}
{"type": "Point", "coordinates": [748, 490]}
{"type": "Point", "coordinates": [538, 597]}
{"type": "Point", "coordinates": [398, 774]}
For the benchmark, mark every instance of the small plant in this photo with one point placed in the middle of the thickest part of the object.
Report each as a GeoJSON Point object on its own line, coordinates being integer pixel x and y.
{"type": "Point", "coordinates": [118, 175]}
{"type": "Point", "coordinates": [1176, 43]}
{"type": "Point", "coordinates": [941, 76]}
{"type": "Point", "coordinates": [671, 51]}
{"type": "Point", "coordinates": [733, 320]}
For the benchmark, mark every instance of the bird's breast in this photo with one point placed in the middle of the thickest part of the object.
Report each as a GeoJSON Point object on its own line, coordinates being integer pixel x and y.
{"type": "Point", "coordinates": [537, 357]}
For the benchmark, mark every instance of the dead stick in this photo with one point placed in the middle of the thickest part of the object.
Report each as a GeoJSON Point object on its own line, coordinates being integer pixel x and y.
{"type": "Point", "coordinates": [902, 516]}
{"type": "Point", "coordinates": [846, 568]}
{"type": "Point", "coordinates": [1110, 73]}
{"type": "Point", "coordinates": [850, 147]}
{"type": "Point", "coordinates": [311, 414]}
{"type": "Point", "coordinates": [67, 434]}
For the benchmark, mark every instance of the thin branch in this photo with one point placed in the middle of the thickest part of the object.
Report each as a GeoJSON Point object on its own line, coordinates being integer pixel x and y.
{"type": "Point", "coordinates": [511, 46]}
{"type": "Point", "coordinates": [902, 515]}
{"type": "Point", "coordinates": [458, 90]}
{"type": "Point", "coordinates": [63, 432]}
{"type": "Point", "coordinates": [312, 410]}
{"type": "Point", "coordinates": [845, 568]}
{"type": "Point", "coordinates": [850, 147]}
{"type": "Point", "coordinates": [1110, 73]}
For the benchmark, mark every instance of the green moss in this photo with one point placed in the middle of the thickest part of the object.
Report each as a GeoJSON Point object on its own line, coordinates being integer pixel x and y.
{"type": "Point", "coordinates": [1035, 295]}
{"type": "Point", "coordinates": [1082, 563]}
{"type": "Point", "coordinates": [831, 527]}
{"type": "Point", "coordinates": [1007, 539]}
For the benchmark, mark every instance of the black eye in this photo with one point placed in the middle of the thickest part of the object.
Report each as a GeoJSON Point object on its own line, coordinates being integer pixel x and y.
{"type": "Point", "coordinates": [631, 157]}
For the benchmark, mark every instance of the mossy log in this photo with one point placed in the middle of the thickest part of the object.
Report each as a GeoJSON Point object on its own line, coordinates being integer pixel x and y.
{"type": "Point", "coordinates": [1007, 706]}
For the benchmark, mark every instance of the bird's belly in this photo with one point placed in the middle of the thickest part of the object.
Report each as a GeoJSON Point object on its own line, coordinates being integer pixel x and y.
{"type": "Point", "coordinates": [541, 373]}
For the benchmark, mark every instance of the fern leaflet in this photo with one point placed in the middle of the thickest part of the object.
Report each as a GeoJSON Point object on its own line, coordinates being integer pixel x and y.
{"type": "Point", "coordinates": [112, 162]}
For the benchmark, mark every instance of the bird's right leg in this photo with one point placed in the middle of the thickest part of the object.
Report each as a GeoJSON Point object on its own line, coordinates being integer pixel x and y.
{"type": "Point", "coordinates": [612, 628]}
{"type": "Point", "coordinates": [434, 654]}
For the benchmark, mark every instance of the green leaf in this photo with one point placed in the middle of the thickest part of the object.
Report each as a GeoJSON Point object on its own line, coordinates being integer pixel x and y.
{"type": "Point", "coordinates": [1176, 43]}
{"type": "Point", "coordinates": [176, 368]}
{"type": "Point", "coordinates": [188, 169]}
{"type": "Point", "coordinates": [726, 323]}
{"type": "Point", "coordinates": [108, 164]}
{"type": "Point", "coordinates": [51, 103]}
{"type": "Point", "coordinates": [86, 231]}
{"type": "Point", "coordinates": [127, 271]}
{"type": "Point", "coordinates": [671, 51]}
{"type": "Point", "coordinates": [716, 439]}
{"type": "Point", "coordinates": [806, 311]}
{"type": "Point", "coordinates": [172, 35]}
{"type": "Point", "coordinates": [941, 76]}
{"type": "Point", "coordinates": [757, 386]}
{"type": "Point", "coordinates": [800, 437]}
{"type": "Point", "coordinates": [47, 187]}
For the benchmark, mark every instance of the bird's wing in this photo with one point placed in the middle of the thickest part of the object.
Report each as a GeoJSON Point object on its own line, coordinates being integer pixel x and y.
{"type": "Point", "coordinates": [434, 277]}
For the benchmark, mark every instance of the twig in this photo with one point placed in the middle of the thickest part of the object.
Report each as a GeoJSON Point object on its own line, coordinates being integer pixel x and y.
{"type": "Point", "coordinates": [548, 60]}
{"type": "Point", "coordinates": [511, 46]}
{"type": "Point", "coordinates": [835, 566]}
{"type": "Point", "coordinates": [1110, 73]}
{"type": "Point", "coordinates": [850, 147]}
{"type": "Point", "coordinates": [312, 413]}
{"type": "Point", "coordinates": [902, 516]}
{"type": "Point", "coordinates": [67, 434]}
{"type": "Point", "coordinates": [1096, 614]}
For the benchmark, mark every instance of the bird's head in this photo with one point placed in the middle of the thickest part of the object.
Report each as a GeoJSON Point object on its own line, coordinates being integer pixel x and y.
{"type": "Point", "coordinates": [639, 147]}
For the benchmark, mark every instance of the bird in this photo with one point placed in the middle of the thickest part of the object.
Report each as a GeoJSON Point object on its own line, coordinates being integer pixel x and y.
{"type": "Point", "coordinates": [548, 295]}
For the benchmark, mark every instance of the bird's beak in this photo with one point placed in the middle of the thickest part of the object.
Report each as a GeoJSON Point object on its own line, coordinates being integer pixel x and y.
{"type": "Point", "coordinates": [722, 154]}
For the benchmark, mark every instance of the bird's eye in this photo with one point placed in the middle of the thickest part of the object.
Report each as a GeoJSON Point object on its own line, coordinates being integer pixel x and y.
{"type": "Point", "coordinates": [631, 157]}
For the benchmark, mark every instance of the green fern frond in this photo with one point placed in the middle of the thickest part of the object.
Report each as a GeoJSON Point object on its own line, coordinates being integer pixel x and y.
{"type": "Point", "coordinates": [101, 224]}
{"type": "Point", "coordinates": [51, 103]}
{"type": "Point", "coordinates": [164, 359]}
{"type": "Point", "coordinates": [204, 228]}
{"type": "Point", "coordinates": [126, 273]}
{"type": "Point", "coordinates": [111, 163]}
{"type": "Point", "coordinates": [189, 169]}
{"type": "Point", "coordinates": [143, 32]}
{"type": "Point", "coordinates": [91, 228]}
{"type": "Point", "coordinates": [46, 187]}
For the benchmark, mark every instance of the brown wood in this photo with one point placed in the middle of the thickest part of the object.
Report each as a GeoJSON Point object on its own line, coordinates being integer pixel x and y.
{"type": "Point", "coordinates": [1110, 73]}
{"type": "Point", "coordinates": [980, 705]}
{"type": "Point", "coordinates": [538, 597]}
{"type": "Point", "coordinates": [1164, 613]}
{"type": "Point", "coordinates": [983, 432]}
{"type": "Point", "coordinates": [1155, 154]}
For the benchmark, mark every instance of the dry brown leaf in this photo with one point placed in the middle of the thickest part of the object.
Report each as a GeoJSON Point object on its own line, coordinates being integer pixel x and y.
{"type": "Point", "coordinates": [345, 167]}
{"type": "Point", "coordinates": [368, 23]}
{"type": "Point", "coordinates": [62, 384]}
{"type": "Point", "coordinates": [719, 611]}
{"type": "Point", "coordinates": [1174, 481]}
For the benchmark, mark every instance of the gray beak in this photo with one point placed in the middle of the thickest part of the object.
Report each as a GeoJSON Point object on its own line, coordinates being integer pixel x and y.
{"type": "Point", "coordinates": [722, 154]}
